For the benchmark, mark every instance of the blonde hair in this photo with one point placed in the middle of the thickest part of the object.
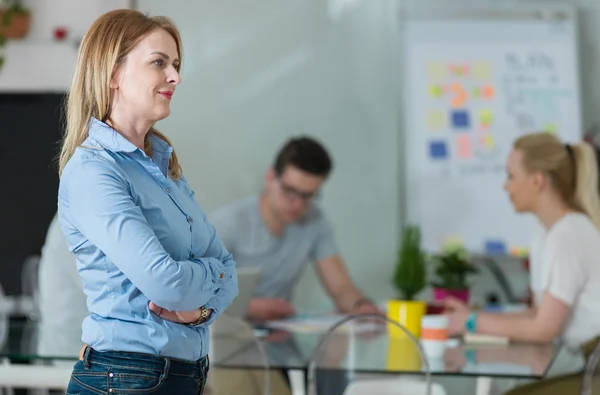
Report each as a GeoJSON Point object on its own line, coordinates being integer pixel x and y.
{"type": "Point", "coordinates": [572, 170]}
{"type": "Point", "coordinates": [103, 48]}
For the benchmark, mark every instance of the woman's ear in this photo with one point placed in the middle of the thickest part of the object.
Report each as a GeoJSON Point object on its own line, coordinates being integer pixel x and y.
{"type": "Point", "coordinates": [116, 78]}
{"type": "Point", "coordinates": [114, 83]}
{"type": "Point", "coordinates": [540, 181]}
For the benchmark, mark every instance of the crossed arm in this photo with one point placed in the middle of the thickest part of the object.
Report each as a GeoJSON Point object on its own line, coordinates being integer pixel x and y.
{"type": "Point", "coordinates": [103, 210]}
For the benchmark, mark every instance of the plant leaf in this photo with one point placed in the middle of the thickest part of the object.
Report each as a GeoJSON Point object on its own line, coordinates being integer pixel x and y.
{"type": "Point", "coordinates": [6, 17]}
{"type": "Point", "coordinates": [1, 62]}
{"type": "Point", "coordinates": [410, 275]}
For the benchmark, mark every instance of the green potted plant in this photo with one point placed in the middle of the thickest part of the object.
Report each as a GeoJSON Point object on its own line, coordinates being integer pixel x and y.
{"type": "Point", "coordinates": [15, 20]}
{"type": "Point", "coordinates": [410, 277]}
{"type": "Point", "coordinates": [453, 266]}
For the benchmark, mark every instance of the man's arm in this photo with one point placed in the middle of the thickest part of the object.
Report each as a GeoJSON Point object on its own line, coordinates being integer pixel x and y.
{"type": "Point", "coordinates": [336, 281]}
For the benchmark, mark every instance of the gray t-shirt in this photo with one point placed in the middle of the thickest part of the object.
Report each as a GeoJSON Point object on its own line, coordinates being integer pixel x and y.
{"type": "Point", "coordinates": [245, 235]}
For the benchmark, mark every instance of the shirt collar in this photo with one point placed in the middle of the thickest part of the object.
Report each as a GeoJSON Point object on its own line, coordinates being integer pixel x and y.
{"type": "Point", "coordinates": [108, 138]}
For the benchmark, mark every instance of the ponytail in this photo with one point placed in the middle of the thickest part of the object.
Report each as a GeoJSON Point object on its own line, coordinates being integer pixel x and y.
{"type": "Point", "coordinates": [586, 196]}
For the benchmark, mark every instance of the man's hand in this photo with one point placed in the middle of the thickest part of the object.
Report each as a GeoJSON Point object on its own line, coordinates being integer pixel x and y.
{"type": "Point", "coordinates": [180, 317]}
{"type": "Point", "coordinates": [367, 308]}
{"type": "Point", "coordinates": [265, 309]}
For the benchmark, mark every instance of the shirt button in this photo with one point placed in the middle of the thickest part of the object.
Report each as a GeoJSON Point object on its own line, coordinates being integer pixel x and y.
{"type": "Point", "coordinates": [190, 219]}
{"type": "Point", "coordinates": [192, 256]}
{"type": "Point", "coordinates": [168, 190]}
{"type": "Point", "coordinates": [111, 374]}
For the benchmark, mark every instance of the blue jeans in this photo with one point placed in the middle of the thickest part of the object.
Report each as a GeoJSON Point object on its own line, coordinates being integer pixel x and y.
{"type": "Point", "coordinates": [133, 373]}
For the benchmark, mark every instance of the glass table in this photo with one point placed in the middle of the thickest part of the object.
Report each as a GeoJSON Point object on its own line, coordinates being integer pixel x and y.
{"type": "Point", "coordinates": [366, 353]}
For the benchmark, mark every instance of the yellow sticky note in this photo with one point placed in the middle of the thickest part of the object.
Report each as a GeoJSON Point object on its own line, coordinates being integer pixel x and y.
{"type": "Point", "coordinates": [482, 70]}
{"type": "Point", "coordinates": [519, 251]}
{"type": "Point", "coordinates": [486, 117]}
{"type": "Point", "coordinates": [550, 128]}
{"type": "Point", "coordinates": [436, 70]}
{"type": "Point", "coordinates": [436, 90]}
{"type": "Point", "coordinates": [488, 141]}
{"type": "Point", "coordinates": [436, 120]}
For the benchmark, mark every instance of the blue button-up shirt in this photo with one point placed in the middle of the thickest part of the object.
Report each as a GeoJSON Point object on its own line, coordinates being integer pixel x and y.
{"type": "Point", "coordinates": [139, 236]}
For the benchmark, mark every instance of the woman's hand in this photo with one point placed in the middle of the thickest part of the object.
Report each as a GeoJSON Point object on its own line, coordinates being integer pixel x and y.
{"type": "Point", "coordinates": [180, 317]}
{"type": "Point", "coordinates": [457, 312]}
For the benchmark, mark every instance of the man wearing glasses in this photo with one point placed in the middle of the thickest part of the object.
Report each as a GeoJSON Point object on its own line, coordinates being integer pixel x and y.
{"type": "Point", "coordinates": [282, 230]}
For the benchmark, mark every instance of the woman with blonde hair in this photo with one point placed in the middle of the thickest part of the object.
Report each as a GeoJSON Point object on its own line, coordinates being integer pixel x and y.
{"type": "Point", "coordinates": [154, 272]}
{"type": "Point", "coordinates": [558, 183]}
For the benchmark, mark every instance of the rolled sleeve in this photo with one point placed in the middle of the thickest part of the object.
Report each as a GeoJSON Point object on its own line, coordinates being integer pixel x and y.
{"type": "Point", "coordinates": [228, 290]}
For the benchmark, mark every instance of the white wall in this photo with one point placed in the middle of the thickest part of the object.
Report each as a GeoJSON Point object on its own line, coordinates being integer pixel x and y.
{"type": "Point", "coordinates": [255, 74]}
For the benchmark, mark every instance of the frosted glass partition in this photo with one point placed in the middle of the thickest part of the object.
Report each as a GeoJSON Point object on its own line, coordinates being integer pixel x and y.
{"type": "Point", "coordinates": [258, 72]}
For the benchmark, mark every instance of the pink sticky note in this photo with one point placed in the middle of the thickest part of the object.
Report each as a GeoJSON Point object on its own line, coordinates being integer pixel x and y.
{"type": "Point", "coordinates": [463, 143]}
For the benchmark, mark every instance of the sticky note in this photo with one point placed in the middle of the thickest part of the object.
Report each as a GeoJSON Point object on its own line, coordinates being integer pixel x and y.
{"type": "Point", "coordinates": [436, 91]}
{"type": "Point", "coordinates": [436, 70]}
{"type": "Point", "coordinates": [487, 141]}
{"type": "Point", "coordinates": [485, 117]}
{"type": "Point", "coordinates": [459, 95]}
{"type": "Point", "coordinates": [488, 92]}
{"type": "Point", "coordinates": [436, 119]}
{"type": "Point", "coordinates": [495, 247]}
{"type": "Point", "coordinates": [519, 251]}
{"type": "Point", "coordinates": [482, 70]}
{"type": "Point", "coordinates": [460, 119]}
{"type": "Point", "coordinates": [550, 128]}
{"type": "Point", "coordinates": [464, 147]}
{"type": "Point", "coordinates": [438, 150]}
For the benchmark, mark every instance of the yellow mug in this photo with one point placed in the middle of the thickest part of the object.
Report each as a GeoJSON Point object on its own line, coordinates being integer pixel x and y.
{"type": "Point", "coordinates": [407, 313]}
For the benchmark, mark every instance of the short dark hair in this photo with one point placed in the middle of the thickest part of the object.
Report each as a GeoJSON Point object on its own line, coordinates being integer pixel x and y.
{"type": "Point", "coordinates": [306, 154]}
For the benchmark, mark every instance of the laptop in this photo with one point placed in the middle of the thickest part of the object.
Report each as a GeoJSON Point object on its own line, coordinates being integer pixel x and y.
{"type": "Point", "coordinates": [247, 280]}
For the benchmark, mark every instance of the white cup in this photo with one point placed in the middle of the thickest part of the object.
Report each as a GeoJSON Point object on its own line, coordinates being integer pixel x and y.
{"type": "Point", "coordinates": [434, 334]}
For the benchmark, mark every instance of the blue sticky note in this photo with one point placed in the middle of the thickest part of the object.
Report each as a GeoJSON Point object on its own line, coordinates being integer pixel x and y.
{"type": "Point", "coordinates": [495, 247]}
{"type": "Point", "coordinates": [438, 150]}
{"type": "Point", "coordinates": [460, 119]}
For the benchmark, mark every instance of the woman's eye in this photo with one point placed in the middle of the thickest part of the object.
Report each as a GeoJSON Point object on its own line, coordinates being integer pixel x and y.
{"type": "Point", "coordinates": [159, 62]}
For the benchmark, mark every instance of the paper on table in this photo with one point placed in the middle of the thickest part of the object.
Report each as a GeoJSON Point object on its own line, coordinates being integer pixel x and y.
{"type": "Point", "coordinates": [319, 324]}
{"type": "Point", "coordinates": [477, 338]}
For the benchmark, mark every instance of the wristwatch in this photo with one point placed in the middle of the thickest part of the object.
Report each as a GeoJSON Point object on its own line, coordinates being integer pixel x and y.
{"type": "Point", "coordinates": [204, 314]}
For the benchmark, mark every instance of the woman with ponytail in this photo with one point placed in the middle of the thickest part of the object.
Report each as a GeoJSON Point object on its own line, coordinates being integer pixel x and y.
{"type": "Point", "coordinates": [558, 183]}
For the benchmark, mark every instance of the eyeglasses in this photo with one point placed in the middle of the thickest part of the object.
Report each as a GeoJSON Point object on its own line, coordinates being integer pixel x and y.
{"type": "Point", "coordinates": [292, 193]}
